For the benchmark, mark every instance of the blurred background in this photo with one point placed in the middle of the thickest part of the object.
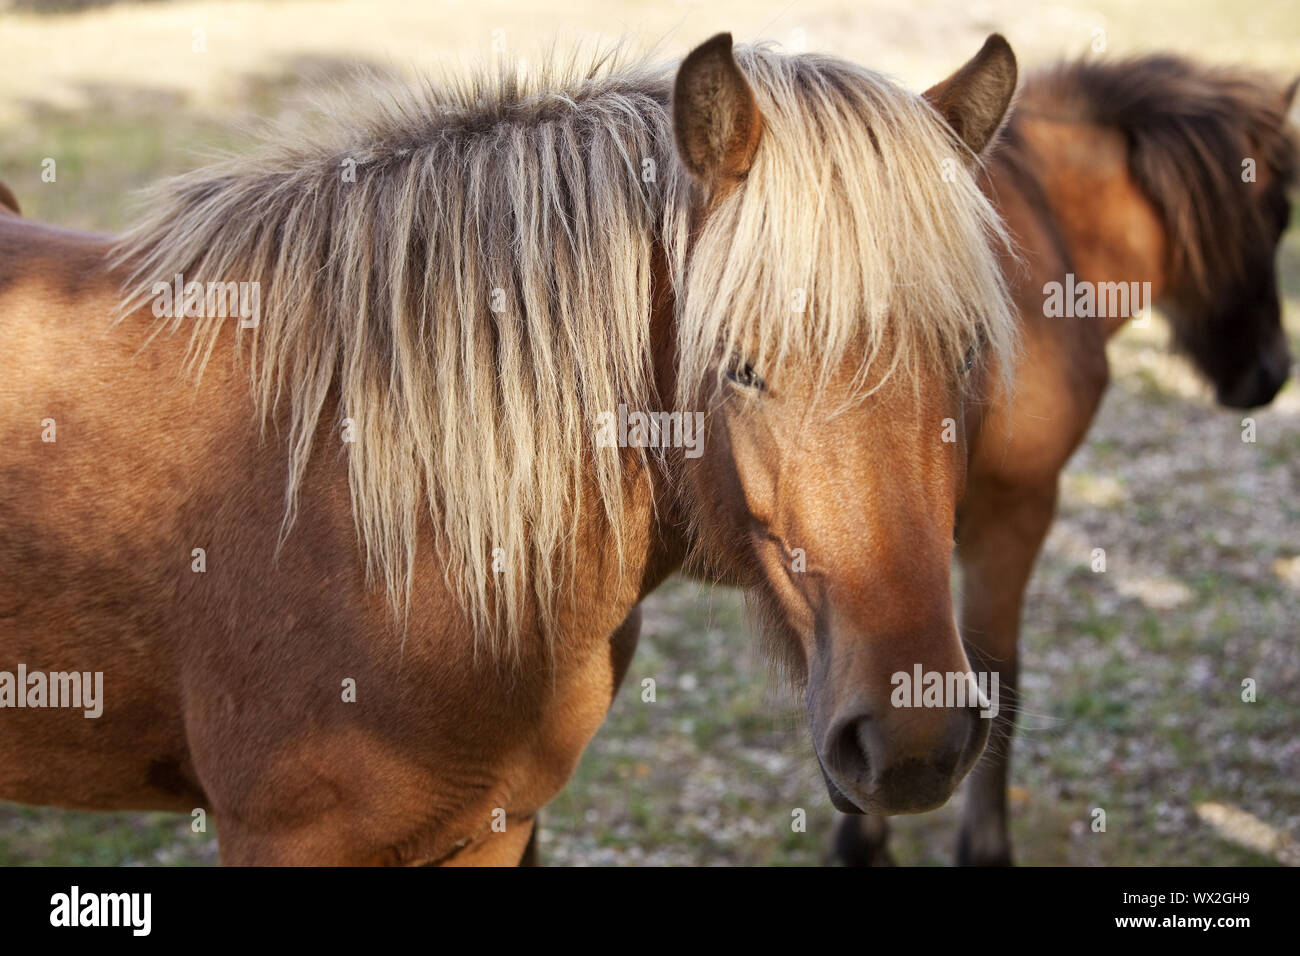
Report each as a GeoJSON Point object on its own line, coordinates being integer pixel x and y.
{"type": "Point", "coordinates": [1130, 695]}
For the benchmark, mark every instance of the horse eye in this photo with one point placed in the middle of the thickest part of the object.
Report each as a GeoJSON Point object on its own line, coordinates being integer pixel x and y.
{"type": "Point", "coordinates": [968, 363]}
{"type": "Point", "coordinates": [745, 376]}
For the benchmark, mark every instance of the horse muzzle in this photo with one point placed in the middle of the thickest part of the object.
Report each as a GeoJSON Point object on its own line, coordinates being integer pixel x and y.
{"type": "Point", "coordinates": [873, 766]}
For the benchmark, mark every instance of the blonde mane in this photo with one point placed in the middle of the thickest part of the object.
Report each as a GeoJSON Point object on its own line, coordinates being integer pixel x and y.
{"type": "Point", "coordinates": [482, 291]}
{"type": "Point", "coordinates": [861, 211]}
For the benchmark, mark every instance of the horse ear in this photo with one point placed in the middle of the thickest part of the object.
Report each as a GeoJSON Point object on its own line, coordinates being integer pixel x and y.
{"type": "Point", "coordinates": [716, 121]}
{"type": "Point", "coordinates": [975, 99]}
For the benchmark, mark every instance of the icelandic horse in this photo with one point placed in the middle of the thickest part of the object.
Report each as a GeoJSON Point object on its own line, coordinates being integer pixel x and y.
{"type": "Point", "coordinates": [308, 465]}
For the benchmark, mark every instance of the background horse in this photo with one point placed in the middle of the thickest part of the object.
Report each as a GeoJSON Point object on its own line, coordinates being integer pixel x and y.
{"type": "Point", "coordinates": [1125, 172]}
{"type": "Point", "coordinates": [454, 288]}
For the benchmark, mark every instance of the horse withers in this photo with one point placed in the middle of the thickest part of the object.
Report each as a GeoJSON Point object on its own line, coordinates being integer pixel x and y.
{"type": "Point", "coordinates": [364, 589]}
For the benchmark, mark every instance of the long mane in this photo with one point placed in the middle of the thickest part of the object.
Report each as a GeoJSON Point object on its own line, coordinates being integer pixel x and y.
{"type": "Point", "coordinates": [481, 291]}
{"type": "Point", "coordinates": [1189, 128]}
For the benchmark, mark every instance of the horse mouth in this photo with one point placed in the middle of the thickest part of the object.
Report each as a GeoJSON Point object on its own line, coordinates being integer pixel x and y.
{"type": "Point", "coordinates": [839, 800]}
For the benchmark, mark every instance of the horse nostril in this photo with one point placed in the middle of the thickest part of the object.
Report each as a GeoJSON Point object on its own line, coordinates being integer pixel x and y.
{"type": "Point", "coordinates": [851, 749]}
{"type": "Point", "coordinates": [870, 741]}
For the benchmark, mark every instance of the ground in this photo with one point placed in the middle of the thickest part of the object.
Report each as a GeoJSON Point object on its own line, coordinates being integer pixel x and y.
{"type": "Point", "coordinates": [1132, 676]}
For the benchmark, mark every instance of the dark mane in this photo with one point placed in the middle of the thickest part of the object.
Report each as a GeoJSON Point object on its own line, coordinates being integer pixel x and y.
{"type": "Point", "coordinates": [1188, 129]}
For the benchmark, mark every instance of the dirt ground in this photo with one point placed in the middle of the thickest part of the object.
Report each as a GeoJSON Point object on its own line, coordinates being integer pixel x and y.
{"type": "Point", "coordinates": [1131, 697]}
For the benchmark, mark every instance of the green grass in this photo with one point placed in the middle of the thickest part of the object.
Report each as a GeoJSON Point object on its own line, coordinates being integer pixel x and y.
{"type": "Point", "coordinates": [42, 836]}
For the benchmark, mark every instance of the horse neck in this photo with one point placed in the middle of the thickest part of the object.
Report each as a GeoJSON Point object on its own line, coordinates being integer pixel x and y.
{"type": "Point", "coordinates": [669, 517]}
{"type": "Point", "coordinates": [1111, 229]}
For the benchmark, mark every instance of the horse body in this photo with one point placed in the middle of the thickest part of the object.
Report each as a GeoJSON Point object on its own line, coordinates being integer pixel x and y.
{"type": "Point", "coordinates": [389, 707]}
{"type": "Point", "coordinates": [222, 692]}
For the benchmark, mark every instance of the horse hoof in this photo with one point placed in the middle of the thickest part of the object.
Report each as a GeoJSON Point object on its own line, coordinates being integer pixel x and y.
{"type": "Point", "coordinates": [966, 856]}
{"type": "Point", "coordinates": [860, 841]}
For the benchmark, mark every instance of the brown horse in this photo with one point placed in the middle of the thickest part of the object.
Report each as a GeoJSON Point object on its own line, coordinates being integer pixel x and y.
{"type": "Point", "coordinates": [1124, 172]}
{"type": "Point", "coordinates": [518, 349]}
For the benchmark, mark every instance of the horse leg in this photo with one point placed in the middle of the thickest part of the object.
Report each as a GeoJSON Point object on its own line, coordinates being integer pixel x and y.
{"type": "Point", "coordinates": [1001, 532]}
{"type": "Point", "coordinates": [860, 840]}
{"type": "Point", "coordinates": [309, 845]}
{"type": "Point", "coordinates": [622, 645]}
{"type": "Point", "coordinates": [529, 857]}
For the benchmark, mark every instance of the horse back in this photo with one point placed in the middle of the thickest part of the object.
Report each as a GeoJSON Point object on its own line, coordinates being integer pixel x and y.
{"type": "Point", "coordinates": [90, 462]}
{"type": "Point", "coordinates": [1024, 436]}
{"type": "Point", "coordinates": [264, 679]}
